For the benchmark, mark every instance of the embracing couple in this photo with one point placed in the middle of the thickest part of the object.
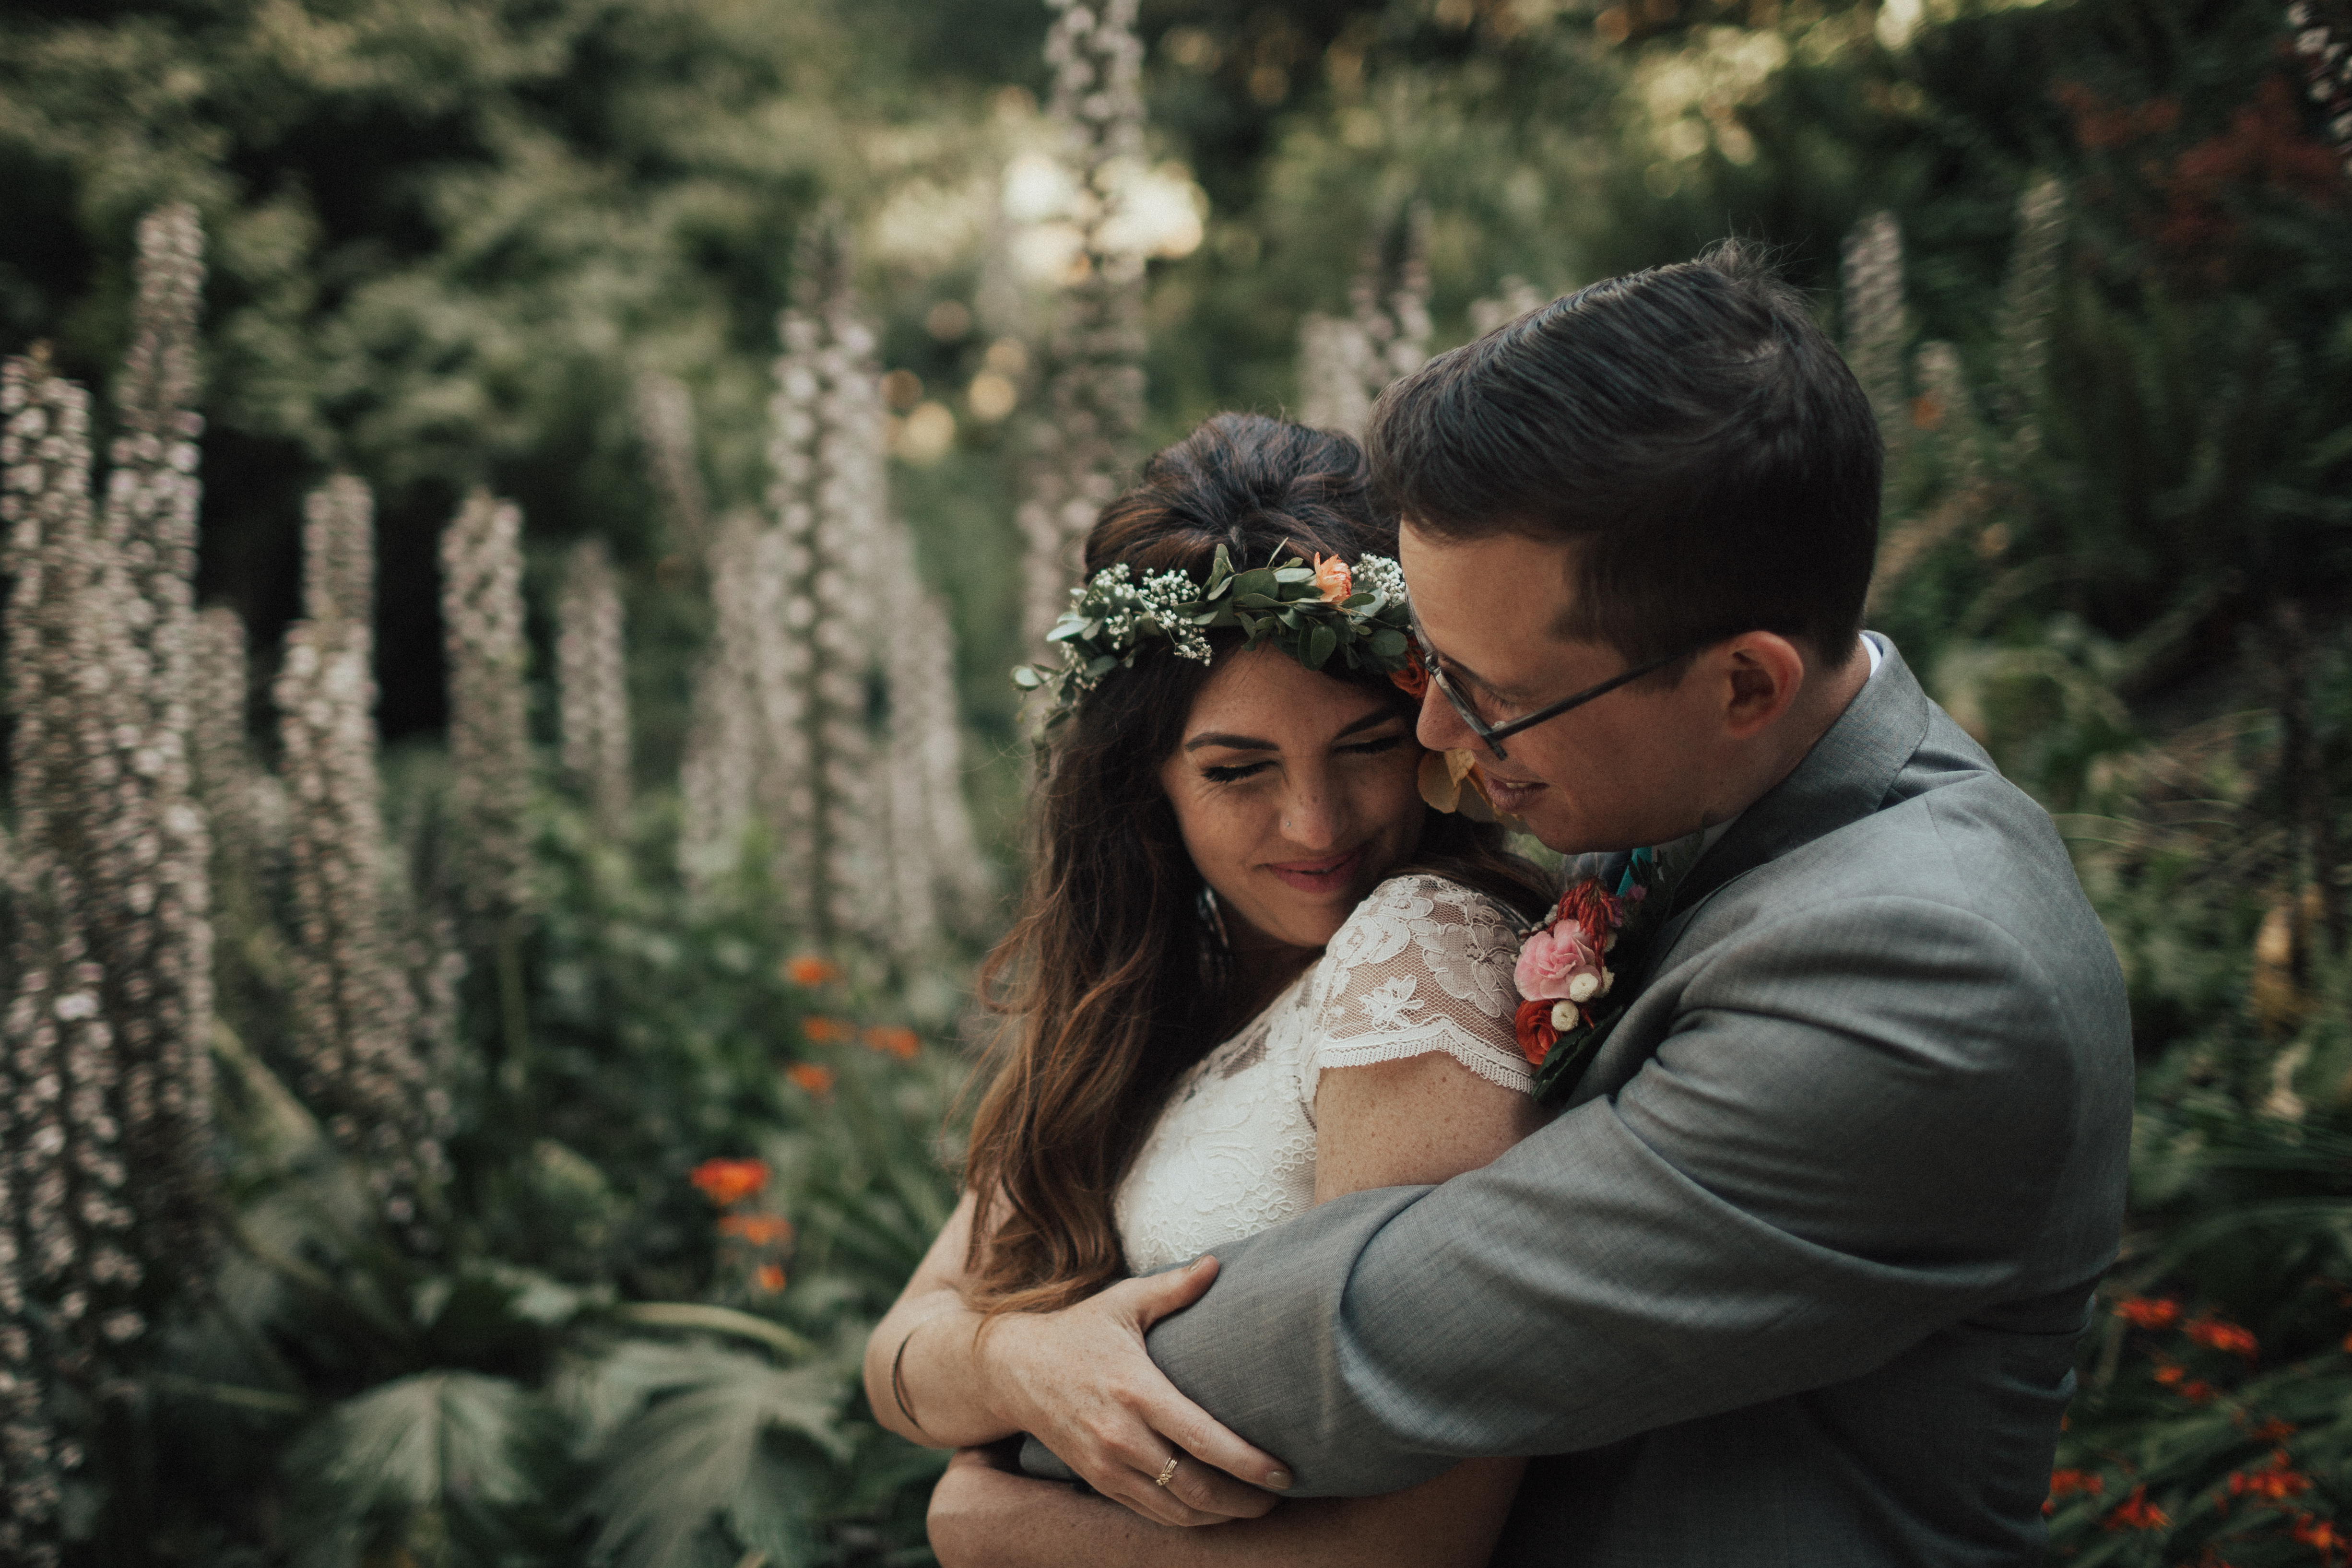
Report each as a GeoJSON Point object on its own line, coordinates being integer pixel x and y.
{"type": "Point", "coordinates": [1347, 1190]}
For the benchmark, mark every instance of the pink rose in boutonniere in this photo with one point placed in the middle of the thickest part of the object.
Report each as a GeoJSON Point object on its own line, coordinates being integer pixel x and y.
{"type": "Point", "coordinates": [1565, 974]}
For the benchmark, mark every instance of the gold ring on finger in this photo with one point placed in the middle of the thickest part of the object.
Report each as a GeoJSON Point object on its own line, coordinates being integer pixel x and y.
{"type": "Point", "coordinates": [1166, 1474]}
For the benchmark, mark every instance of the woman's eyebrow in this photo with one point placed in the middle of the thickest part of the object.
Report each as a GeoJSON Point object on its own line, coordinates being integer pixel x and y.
{"type": "Point", "coordinates": [1231, 742]}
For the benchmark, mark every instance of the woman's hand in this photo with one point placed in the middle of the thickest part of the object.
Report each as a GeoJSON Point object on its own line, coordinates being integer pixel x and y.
{"type": "Point", "coordinates": [1080, 1381]}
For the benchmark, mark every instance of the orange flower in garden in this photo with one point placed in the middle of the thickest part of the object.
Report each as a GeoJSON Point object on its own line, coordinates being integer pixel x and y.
{"type": "Point", "coordinates": [2321, 1535]}
{"type": "Point", "coordinates": [2219, 1333]}
{"type": "Point", "coordinates": [2136, 1512]}
{"type": "Point", "coordinates": [893, 1040]}
{"type": "Point", "coordinates": [1333, 581]}
{"type": "Point", "coordinates": [2170, 1374]}
{"type": "Point", "coordinates": [2148, 1312]}
{"type": "Point", "coordinates": [769, 1277]}
{"type": "Point", "coordinates": [2199, 1391]}
{"type": "Point", "coordinates": [725, 1182]}
{"type": "Point", "coordinates": [758, 1229]}
{"type": "Point", "coordinates": [825, 1031]}
{"type": "Point", "coordinates": [2273, 1431]}
{"type": "Point", "coordinates": [815, 1077]}
{"type": "Point", "coordinates": [2070, 1483]}
{"type": "Point", "coordinates": [2276, 1480]}
{"type": "Point", "coordinates": [812, 971]}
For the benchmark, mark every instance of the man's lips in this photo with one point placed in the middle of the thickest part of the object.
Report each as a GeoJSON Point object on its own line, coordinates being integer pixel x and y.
{"type": "Point", "coordinates": [1510, 796]}
{"type": "Point", "coordinates": [1333, 874]}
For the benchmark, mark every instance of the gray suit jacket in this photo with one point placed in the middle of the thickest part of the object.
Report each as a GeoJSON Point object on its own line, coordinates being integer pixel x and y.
{"type": "Point", "coordinates": [1797, 1277]}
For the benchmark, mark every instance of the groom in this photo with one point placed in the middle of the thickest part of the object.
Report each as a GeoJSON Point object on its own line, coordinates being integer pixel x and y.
{"type": "Point", "coordinates": [1797, 1275]}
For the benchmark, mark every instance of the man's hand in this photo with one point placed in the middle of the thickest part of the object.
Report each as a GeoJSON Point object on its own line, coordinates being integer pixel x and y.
{"type": "Point", "coordinates": [1081, 1382]}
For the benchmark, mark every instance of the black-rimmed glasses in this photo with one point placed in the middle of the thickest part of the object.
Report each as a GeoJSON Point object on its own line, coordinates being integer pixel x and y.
{"type": "Point", "coordinates": [1491, 736]}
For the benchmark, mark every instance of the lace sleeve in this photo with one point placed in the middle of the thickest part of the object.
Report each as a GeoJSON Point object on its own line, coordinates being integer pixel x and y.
{"type": "Point", "coordinates": [1423, 965]}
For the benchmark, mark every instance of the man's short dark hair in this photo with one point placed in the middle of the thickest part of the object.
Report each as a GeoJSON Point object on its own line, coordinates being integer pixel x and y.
{"type": "Point", "coordinates": [1690, 427]}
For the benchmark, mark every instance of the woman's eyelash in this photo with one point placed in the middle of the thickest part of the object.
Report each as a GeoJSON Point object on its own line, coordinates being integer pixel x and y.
{"type": "Point", "coordinates": [1233, 773]}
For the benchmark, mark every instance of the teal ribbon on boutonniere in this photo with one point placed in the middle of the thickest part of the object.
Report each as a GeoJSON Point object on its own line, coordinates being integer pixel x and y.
{"type": "Point", "coordinates": [1569, 964]}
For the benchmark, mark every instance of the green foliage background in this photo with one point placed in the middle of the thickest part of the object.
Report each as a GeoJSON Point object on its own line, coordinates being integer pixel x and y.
{"type": "Point", "coordinates": [447, 235]}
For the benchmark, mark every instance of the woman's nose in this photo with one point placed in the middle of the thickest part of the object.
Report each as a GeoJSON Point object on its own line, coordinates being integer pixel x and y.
{"type": "Point", "coordinates": [1315, 816]}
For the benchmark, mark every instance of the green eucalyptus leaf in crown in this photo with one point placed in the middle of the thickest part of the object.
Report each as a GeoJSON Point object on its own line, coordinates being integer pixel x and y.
{"type": "Point", "coordinates": [1315, 611]}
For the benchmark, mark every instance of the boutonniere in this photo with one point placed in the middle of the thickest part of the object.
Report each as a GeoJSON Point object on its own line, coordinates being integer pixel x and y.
{"type": "Point", "coordinates": [1568, 968]}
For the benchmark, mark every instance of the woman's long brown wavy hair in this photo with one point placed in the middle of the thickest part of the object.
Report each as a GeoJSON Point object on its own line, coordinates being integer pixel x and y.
{"type": "Point", "coordinates": [1109, 981]}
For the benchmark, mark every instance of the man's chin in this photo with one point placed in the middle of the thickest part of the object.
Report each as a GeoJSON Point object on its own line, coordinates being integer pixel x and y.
{"type": "Point", "coordinates": [1565, 832]}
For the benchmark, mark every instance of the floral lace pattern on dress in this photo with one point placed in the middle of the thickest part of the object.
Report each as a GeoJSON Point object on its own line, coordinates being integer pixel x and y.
{"type": "Point", "coordinates": [1423, 965]}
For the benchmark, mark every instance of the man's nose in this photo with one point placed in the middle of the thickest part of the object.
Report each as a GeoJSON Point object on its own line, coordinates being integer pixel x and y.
{"type": "Point", "coordinates": [1440, 728]}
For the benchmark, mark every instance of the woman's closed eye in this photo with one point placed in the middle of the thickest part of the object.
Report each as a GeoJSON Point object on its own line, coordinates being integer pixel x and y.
{"type": "Point", "coordinates": [1235, 772]}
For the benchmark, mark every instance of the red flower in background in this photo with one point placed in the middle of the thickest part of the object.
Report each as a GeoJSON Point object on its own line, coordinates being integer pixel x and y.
{"type": "Point", "coordinates": [2148, 1312]}
{"type": "Point", "coordinates": [770, 1277]}
{"type": "Point", "coordinates": [893, 1040]}
{"type": "Point", "coordinates": [2321, 1535]}
{"type": "Point", "coordinates": [2069, 1483]}
{"type": "Point", "coordinates": [726, 1182]}
{"type": "Point", "coordinates": [825, 1031]}
{"type": "Point", "coordinates": [2219, 1333]}
{"type": "Point", "coordinates": [815, 1077]}
{"type": "Point", "coordinates": [2073, 1483]}
{"type": "Point", "coordinates": [2276, 1482]}
{"type": "Point", "coordinates": [758, 1229]}
{"type": "Point", "coordinates": [812, 971]}
{"type": "Point", "coordinates": [2136, 1512]}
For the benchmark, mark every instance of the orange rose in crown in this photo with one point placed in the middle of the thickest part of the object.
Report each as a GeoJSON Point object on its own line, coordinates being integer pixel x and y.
{"type": "Point", "coordinates": [1333, 581]}
{"type": "Point", "coordinates": [1564, 973]}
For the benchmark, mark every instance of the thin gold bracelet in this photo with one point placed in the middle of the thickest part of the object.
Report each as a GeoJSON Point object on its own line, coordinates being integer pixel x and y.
{"type": "Point", "coordinates": [898, 1379]}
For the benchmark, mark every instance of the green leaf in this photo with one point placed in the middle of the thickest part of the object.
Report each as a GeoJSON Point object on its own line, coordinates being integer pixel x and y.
{"type": "Point", "coordinates": [1387, 642]}
{"type": "Point", "coordinates": [1026, 677]}
{"type": "Point", "coordinates": [1320, 645]}
{"type": "Point", "coordinates": [451, 1465]}
{"type": "Point", "coordinates": [696, 1450]}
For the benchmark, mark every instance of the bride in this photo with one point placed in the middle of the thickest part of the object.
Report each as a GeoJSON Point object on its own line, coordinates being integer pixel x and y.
{"type": "Point", "coordinates": [1253, 971]}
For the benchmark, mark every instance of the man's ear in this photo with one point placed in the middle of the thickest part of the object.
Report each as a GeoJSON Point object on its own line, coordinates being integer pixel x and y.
{"type": "Point", "coordinates": [1760, 673]}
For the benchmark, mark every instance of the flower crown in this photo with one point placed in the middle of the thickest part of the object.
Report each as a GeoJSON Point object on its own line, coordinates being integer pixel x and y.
{"type": "Point", "coordinates": [1312, 613]}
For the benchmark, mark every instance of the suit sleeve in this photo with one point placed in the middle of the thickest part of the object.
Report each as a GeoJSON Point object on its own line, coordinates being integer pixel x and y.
{"type": "Point", "coordinates": [1831, 1155]}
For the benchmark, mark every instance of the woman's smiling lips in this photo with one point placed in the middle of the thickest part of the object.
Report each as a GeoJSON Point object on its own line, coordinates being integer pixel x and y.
{"type": "Point", "coordinates": [1329, 874]}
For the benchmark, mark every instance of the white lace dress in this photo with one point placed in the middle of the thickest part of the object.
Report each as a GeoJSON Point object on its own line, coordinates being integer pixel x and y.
{"type": "Point", "coordinates": [1423, 965]}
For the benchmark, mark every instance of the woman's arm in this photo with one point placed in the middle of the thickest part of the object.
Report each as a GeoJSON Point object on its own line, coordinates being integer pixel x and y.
{"type": "Point", "coordinates": [1391, 1123]}
{"type": "Point", "coordinates": [1079, 1379]}
{"type": "Point", "coordinates": [983, 1517]}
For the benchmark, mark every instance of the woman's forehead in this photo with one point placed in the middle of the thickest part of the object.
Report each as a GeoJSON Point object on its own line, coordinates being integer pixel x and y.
{"type": "Point", "coordinates": [1266, 695]}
